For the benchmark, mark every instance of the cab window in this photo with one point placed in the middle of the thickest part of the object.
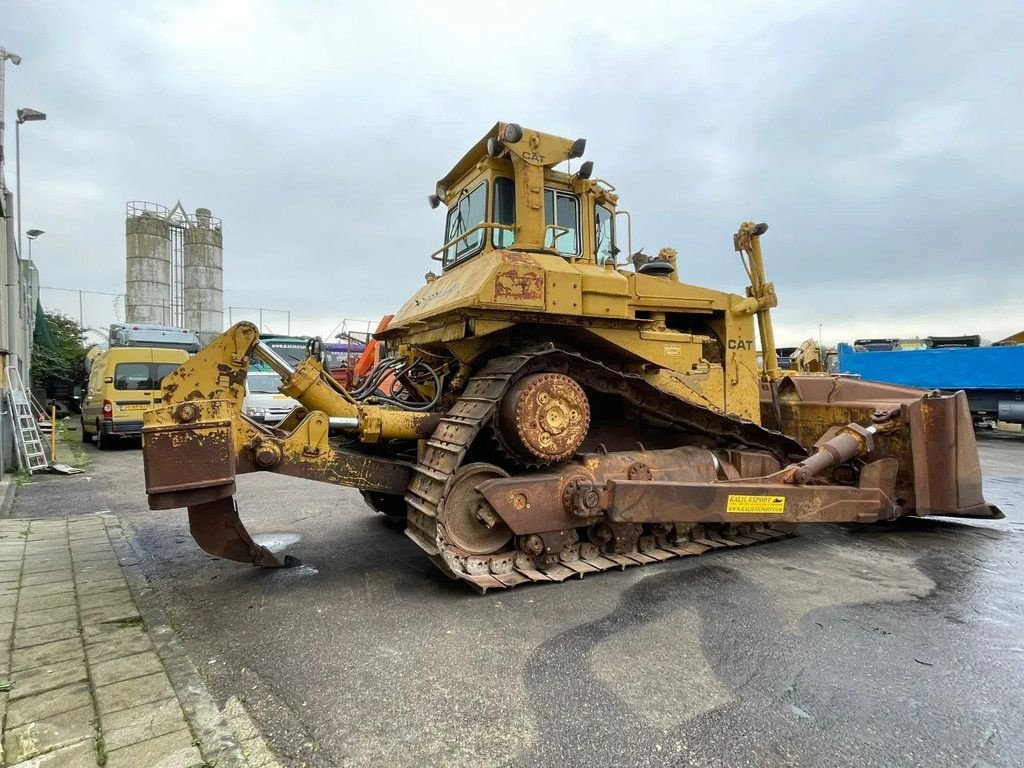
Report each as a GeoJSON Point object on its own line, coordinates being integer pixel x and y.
{"type": "Point", "coordinates": [562, 213]}
{"type": "Point", "coordinates": [604, 237]}
{"type": "Point", "coordinates": [134, 377]}
{"type": "Point", "coordinates": [468, 212]}
{"type": "Point", "coordinates": [504, 211]}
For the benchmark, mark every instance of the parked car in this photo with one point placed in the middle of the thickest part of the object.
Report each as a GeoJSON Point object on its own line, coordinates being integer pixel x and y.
{"type": "Point", "coordinates": [264, 404]}
{"type": "Point", "coordinates": [124, 382]}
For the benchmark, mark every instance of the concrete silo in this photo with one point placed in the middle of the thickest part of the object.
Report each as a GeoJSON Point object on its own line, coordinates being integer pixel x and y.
{"type": "Point", "coordinates": [148, 273]}
{"type": "Point", "coordinates": [203, 279]}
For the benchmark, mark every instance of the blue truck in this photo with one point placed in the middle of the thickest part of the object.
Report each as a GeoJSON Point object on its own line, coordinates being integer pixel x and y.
{"type": "Point", "coordinates": [991, 376]}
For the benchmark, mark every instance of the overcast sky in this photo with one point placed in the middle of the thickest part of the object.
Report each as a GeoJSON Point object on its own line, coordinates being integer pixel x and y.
{"type": "Point", "coordinates": [881, 141]}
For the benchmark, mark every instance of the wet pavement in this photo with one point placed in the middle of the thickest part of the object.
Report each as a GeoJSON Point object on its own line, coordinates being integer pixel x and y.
{"type": "Point", "coordinates": [887, 646]}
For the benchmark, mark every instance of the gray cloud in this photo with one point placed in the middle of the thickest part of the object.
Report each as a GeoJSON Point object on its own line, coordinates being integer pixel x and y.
{"type": "Point", "coordinates": [879, 140]}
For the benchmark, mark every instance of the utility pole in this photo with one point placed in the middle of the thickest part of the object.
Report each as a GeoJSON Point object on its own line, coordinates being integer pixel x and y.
{"type": "Point", "coordinates": [15, 59]}
{"type": "Point", "coordinates": [12, 255]}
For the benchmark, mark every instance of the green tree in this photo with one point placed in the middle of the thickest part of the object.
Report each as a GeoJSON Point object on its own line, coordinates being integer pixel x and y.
{"type": "Point", "coordinates": [58, 354]}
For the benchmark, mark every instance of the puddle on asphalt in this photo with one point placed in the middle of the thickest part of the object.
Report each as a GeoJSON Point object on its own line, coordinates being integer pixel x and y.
{"type": "Point", "coordinates": [278, 543]}
{"type": "Point", "coordinates": [275, 541]}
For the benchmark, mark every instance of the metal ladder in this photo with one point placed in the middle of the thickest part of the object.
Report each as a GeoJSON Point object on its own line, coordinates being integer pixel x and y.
{"type": "Point", "coordinates": [31, 451]}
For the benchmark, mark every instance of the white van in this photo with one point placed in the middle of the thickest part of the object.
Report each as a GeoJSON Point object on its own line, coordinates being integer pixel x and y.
{"type": "Point", "coordinates": [263, 402]}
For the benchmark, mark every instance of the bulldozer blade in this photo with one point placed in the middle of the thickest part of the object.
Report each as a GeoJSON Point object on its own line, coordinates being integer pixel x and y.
{"type": "Point", "coordinates": [217, 529]}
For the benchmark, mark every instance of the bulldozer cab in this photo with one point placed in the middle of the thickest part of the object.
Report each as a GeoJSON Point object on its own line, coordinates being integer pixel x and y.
{"type": "Point", "coordinates": [506, 194]}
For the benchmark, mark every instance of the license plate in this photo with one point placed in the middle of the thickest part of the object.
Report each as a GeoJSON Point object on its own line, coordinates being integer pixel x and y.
{"type": "Point", "coordinates": [134, 407]}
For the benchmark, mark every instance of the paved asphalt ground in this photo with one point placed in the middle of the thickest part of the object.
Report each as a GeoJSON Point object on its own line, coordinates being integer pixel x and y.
{"type": "Point", "coordinates": [891, 647]}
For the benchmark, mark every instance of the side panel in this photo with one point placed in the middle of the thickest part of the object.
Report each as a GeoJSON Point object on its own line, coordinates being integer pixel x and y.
{"type": "Point", "coordinates": [950, 369]}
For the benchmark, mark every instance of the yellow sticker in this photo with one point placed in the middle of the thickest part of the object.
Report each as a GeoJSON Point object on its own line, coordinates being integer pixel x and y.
{"type": "Point", "coordinates": [756, 505]}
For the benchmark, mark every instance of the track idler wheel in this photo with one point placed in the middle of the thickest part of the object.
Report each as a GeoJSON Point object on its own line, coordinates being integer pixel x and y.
{"type": "Point", "coordinates": [545, 417]}
{"type": "Point", "coordinates": [217, 528]}
{"type": "Point", "coordinates": [470, 523]}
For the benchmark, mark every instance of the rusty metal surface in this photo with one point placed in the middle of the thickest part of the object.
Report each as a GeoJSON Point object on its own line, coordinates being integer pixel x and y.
{"type": "Point", "coordinates": [188, 463]}
{"type": "Point", "coordinates": [934, 445]}
{"type": "Point", "coordinates": [217, 528]}
{"type": "Point", "coordinates": [648, 502]}
{"type": "Point", "coordinates": [479, 403]}
{"type": "Point", "coordinates": [545, 417]}
{"type": "Point", "coordinates": [461, 512]}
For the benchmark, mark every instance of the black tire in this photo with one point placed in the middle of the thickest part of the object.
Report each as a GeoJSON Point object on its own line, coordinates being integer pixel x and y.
{"type": "Point", "coordinates": [86, 437]}
{"type": "Point", "coordinates": [103, 442]}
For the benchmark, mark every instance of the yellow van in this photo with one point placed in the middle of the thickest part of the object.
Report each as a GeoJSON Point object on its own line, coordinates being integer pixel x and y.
{"type": "Point", "coordinates": [124, 382]}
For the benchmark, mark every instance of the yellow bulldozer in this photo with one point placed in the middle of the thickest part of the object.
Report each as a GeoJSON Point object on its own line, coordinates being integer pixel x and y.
{"type": "Point", "coordinates": [549, 407]}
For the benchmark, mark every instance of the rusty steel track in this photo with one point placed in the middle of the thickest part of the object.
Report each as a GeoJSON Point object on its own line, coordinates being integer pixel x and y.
{"type": "Point", "coordinates": [478, 405]}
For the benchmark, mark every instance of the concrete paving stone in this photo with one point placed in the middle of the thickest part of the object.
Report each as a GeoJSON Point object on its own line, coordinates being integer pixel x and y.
{"type": "Point", "coordinates": [126, 668]}
{"type": "Point", "coordinates": [105, 632]}
{"type": "Point", "coordinates": [9, 588]}
{"type": "Point", "coordinates": [47, 601]}
{"type": "Point", "coordinates": [47, 633]}
{"type": "Point", "coordinates": [8, 599]}
{"type": "Point", "coordinates": [123, 609]}
{"type": "Point", "coordinates": [174, 750]}
{"type": "Point", "coordinates": [95, 539]}
{"type": "Point", "coordinates": [50, 732]}
{"type": "Point", "coordinates": [7, 614]}
{"type": "Point", "coordinates": [53, 588]}
{"type": "Point", "coordinates": [48, 542]}
{"type": "Point", "coordinates": [50, 554]}
{"type": "Point", "coordinates": [37, 655]}
{"type": "Point", "coordinates": [125, 642]}
{"type": "Point", "coordinates": [91, 537]}
{"type": "Point", "coordinates": [43, 705]}
{"type": "Point", "coordinates": [92, 587]}
{"type": "Point", "coordinates": [99, 573]}
{"type": "Point", "coordinates": [12, 564]}
{"type": "Point", "coordinates": [27, 619]}
{"type": "Point", "coordinates": [132, 693]}
{"type": "Point", "coordinates": [94, 561]}
{"type": "Point", "coordinates": [10, 577]}
{"type": "Point", "coordinates": [5, 629]}
{"type": "Point", "coordinates": [44, 564]}
{"type": "Point", "coordinates": [84, 549]}
{"type": "Point", "coordinates": [87, 547]}
{"type": "Point", "coordinates": [90, 549]}
{"type": "Point", "coordinates": [48, 577]}
{"type": "Point", "coordinates": [47, 678]}
{"type": "Point", "coordinates": [93, 557]}
{"type": "Point", "coordinates": [48, 547]}
{"type": "Point", "coordinates": [104, 598]}
{"type": "Point", "coordinates": [131, 726]}
{"type": "Point", "coordinates": [83, 534]}
{"type": "Point", "coordinates": [80, 755]}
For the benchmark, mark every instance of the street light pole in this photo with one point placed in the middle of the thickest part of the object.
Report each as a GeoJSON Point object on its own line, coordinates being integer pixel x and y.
{"type": "Point", "coordinates": [15, 59]}
{"type": "Point", "coordinates": [10, 336]}
{"type": "Point", "coordinates": [32, 235]}
{"type": "Point", "coordinates": [25, 115]}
